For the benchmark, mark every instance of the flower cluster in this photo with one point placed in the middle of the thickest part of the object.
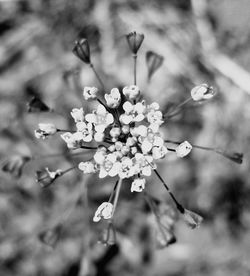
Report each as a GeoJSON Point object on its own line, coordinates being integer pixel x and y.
{"type": "Point", "coordinates": [125, 133]}
{"type": "Point", "coordinates": [132, 141]}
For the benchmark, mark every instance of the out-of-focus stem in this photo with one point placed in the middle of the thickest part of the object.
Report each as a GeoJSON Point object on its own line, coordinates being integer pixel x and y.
{"type": "Point", "coordinates": [135, 68]}
{"type": "Point", "coordinates": [97, 76]}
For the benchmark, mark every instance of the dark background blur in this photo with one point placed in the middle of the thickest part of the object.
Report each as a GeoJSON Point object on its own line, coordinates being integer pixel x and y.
{"type": "Point", "coordinates": [202, 41]}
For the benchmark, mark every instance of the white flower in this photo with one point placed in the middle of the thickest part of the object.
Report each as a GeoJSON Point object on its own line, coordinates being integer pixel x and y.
{"type": "Point", "coordinates": [126, 169]}
{"type": "Point", "coordinates": [105, 210]}
{"type": "Point", "coordinates": [113, 99]}
{"type": "Point", "coordinates": [45, 130]}
{"type": "Point", "coordinates": [131, 92]}
{"type": "Point", "coordinates": [138, 185]}
{"type": "Point", "coordinates": [183, 149]}
{"type": "Point", "coordinates": [125, 129]}
{"type": "Point", "coordinates": [72, 140]}
{"type": "Point", "coordinates": [99, 136]}
{"type": "Point", "coordinates": [133, 113]}
{"type": "Point", "coordinates": [152, 140]}
{"type": "Point", "coordinates": [139, 131]}
{"type": "Point", "coordinates": [87, 167]}
{"type": "Point", "coordinates": [159, 152]}
{"type": "Point", "coordinates": [100, 118]}
{"type": "Point", "coordinates": [100, 154]}
{"type": "Point", "coordinates": [77, 114]}
{"type": "Point", "coordinates": [86, 131]}
{"type": "Point", "coordinates": [202, 92]}
{"type": "Point", "coordinates": [90, 93]}
{"type": "Point", "coordinates": [143, 164]}
{"type": "Point", "coordinates": [110, 166]}
{"type": "Point", "coordinates": [115, 132]}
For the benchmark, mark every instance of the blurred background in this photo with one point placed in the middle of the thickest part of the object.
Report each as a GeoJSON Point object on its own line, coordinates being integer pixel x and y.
{"type": "Point", "coordinates": [201, 41]}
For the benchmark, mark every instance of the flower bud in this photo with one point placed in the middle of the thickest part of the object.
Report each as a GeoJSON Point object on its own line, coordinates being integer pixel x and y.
{"type": "Point", "coordinates": [154, 62]}
{"type": "Point", "coordinates": [105, 210]}
{"type": "Point", "coordinates": [45, 130]}
{"type": "Point", "coordinates": [134, 41]}
{"type": "Point", "coordinates": [138, 185]}
{"type": "Point", "coordinates": [36, 105]}
{"type": "Point", "coordinates": [131, 92]}
{"type": "Point", "coordinates": [115, 132]}
{"type": "Point", "coordinates": [202, 92]}
{"type": "Point", "coordinates": [81, 50]}
{"type": "Point", "coordinates": [236, 157]}
{"type": "Point", "coordinates": [77, 114]}
{"type": "Point", "coordinates": [183, 149]}
{"type": "Point", "coordinates": [113, 99]}
{"type": "Point", "coordinates": [90, 93]}
{"type": "Point", "coordinates": [87, 167]}
{"type": "Point", "coordinates": [125, 129]}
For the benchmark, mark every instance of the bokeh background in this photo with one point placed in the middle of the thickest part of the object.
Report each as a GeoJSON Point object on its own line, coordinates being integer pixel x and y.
{"type": "Point", "coordinates": [201, 41]}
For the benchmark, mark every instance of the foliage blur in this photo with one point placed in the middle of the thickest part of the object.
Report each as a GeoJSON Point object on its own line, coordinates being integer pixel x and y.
{"type": "Point", "coordinates": [36, 39]}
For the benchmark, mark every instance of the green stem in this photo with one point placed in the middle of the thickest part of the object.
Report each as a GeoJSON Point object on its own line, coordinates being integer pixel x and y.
{"type": "Point", "coordinates": [135, 67]}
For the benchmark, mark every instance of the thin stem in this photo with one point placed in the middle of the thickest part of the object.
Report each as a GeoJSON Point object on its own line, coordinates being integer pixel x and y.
{"type": "Point", "coordinates": [173, 112]}
{"type": "Point", "coordinates": [195, 146]}
{"type": "Point", "coordinates": [135, 67]}
{"type": "Point", "coordinates": [178, 205]}
{"type": "Point", "coordinates": [113, 192]}
{"type": "Point", "coordinates": [97, 76]}
{"type": "Point", "coordinates": [56, 155]}
{"type": "Point", "coordinates": [117, 195]}
{"type": "Point", "coordinates": [64, 130]}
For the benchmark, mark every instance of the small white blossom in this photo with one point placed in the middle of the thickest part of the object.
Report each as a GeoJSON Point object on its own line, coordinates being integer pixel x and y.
{"type": "Point", "coordinates": [105, 210]}
{"type": "Point", "coordinates": [127, 168]}
{"type": "Point", "coordinates": [99, 136]}
{"type": "Point", "coordinates": [138, 185]}
{"type": "Point", "coordinates": [143, 164]}
{"type": "Point", "coordinates": [183, 149]}
{"type": "Point", "coordinates": [45, 130]}
{"type": "Point", "coordinates": [87, 167]}
{"type": "Point", "coordinates": [110, 166]}
{"type": "Point", "coordinates": [115, 132]}
{"type": "Point", "coordinates": [73, 140]}
{"type": "Point", "coordinates": [86, 130]}
{"type": "Point", "coordinates": [133, 113]}
{"type": "Point", "coordinates": [202, 92]}
{"type": "Point", "coordinates": [100, 118]}
{"type": "Point", "coordinates": [125, 129]}
{"type": "Point", "coordinates": [100, 154]}
{"type": "Point", "coordinates": [90, 93]}
{"type": "Point", "coordinates": [113, 99]}
{"type": "Point", "coordinates": [77, 114]}
{"type": "Point", "coordinates": [131, 92]}
{"type": "Point", "coordinates": [139, 131]}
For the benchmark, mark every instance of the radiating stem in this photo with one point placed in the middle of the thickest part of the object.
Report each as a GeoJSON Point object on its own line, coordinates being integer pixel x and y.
{"type": "Point", "coordinates": [196, 146]}
{"type": "Point", "coordinates": [117, 195]}
{"type": "Point", "coordinates": [56, 155]}
{"type": "Point", "coordinates": [135, 67]}
{"type": "Point", "coordinates": [97, 76]}
{"type": "Point", "coordinates": [173, 112]}
{"type": "Point", "coordinates": [178, 205]}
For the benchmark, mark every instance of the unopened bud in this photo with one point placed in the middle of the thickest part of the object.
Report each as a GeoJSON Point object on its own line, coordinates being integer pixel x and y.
{"type": "Point", "coordinates": [81, 50]}
{"type": "Point", "coordinates": [134, 41]}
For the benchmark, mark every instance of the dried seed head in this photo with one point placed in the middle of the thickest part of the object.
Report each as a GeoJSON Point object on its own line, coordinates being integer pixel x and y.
{"type": "Point", "coordinates": [134, 41]}
{"type": "Point", "coordinates": [154, 62]}
{"type": "Point", "coordinates": [36, 105]}
{"type": "Point", "coordinates": [192, 219]}
{"type": "Point", "coordinates": [81, 50]}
